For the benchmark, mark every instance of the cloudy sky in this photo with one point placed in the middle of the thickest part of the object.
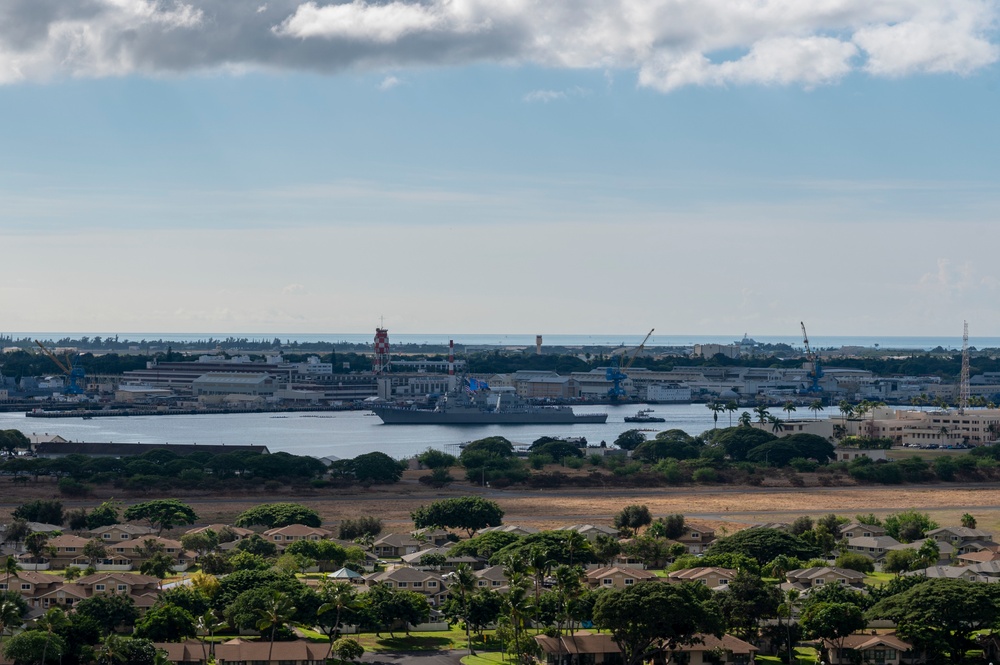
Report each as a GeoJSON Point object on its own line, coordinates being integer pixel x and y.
{"type": "Point", "coordinates": [584, 166]}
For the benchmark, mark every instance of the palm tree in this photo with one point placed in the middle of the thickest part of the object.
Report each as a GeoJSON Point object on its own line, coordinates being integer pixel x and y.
{"type": "Point", "coordinates": [846, 408]}
{"type": "Point", "coordinates": [715, 408]}
{"type": "Point", "coordinates": [745, 419]}
{"type": "Point", "coordinates": [788, 408]}
{"type": "Point", "coordinates": [518, 604]}
{"type": "Point", "coordinates": [816, 406]}
{"type": "Point", "coordinates": [732, 407]}
{"type": "Point", "coordinates": [568, 581]}
{"type": "Point", "coordinates": [339, 596]}
{"type": "Point", "coordinates": [208, 623]}
{"type": "Point", "coordinates": [276, 613]}
{"type": "Point", "coordinates": [10, 616]}
{"type": "Point", "coordinates": [762, 413]}
{"type": "Point", "coordinates": [50, 622]}
{"type": "Point", "coordinates": [112, 650]}
{"type": "Point", "coordinates": [465, 582]}
{"type": "Point", "coordinates": [777, 424]}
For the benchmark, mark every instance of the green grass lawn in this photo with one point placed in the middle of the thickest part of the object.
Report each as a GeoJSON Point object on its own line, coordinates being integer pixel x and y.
{"type": "Point", "coordinates": [437, 640]}
{"type": "Point", "coordinates": [803, 656]}
{"type": "Point", "coordinates": [484, 658]}
{"type": "Point", "coordinates": [878, 579]}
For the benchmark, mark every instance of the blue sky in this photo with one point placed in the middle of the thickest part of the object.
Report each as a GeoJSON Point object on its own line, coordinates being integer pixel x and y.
{"type": "Point", "coordinates": [464, 166]}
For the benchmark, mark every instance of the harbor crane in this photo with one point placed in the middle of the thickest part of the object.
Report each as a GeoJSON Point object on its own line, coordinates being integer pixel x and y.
{"type": "Point", "coordinates": [616, 373]}
{"type": "Point", "coordinates": [70, 368]}
{"type": "Point", "coordinates": [816, 370]}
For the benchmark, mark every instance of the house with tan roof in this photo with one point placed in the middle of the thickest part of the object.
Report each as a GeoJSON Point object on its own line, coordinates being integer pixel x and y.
{"type": "Point", "coordinates": [239, 531]}
{"type": "Point", "coordinates": [515, 529]}
{"type": "Point", "coordinates": [964, 539]}
{"type": "Point", "coordinates": [807, 578]}
{"type": "Point", "coordinates": [711, 576]}
{"type": "Point", "coordinates": [29, 584]}
{"type": "Point", "coordinates": [618, 577]}
{"type": "Point", "coordinates": [286, 535]}
{"type": "Point", "coordinates": [404, 578]}
{"type": "Point", "coordinates": [859, 530]}
{"type": "Point", "coordinates": [239, 652]}
{"type": "Point", "coordinates": [591, 531]}
{"type": "Point", "coordinates": [491, 577]}
{"type": "Point", "coordinates": [118, 532]}
{"type": "Point", "coordinates": [696, 538]}
{"type": "Point", "coordinates": [397, 544]}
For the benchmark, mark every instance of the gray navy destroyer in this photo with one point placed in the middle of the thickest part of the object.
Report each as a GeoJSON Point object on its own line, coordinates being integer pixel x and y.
{"type": "Point", "coordinates": [475, 403]}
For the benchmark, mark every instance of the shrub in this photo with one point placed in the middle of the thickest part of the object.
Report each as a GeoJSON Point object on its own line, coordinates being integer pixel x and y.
{"type": "Point", "coordinates": [705, 475]}
{"type": "Point", "coordinates": [70, 487]}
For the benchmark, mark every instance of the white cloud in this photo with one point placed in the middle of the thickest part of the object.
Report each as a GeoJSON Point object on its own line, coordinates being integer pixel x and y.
{"type": "Point", "coordinates": [546, 96]}
{"type": "Point", "coordinates": [293, 289]}
{"type": "Point", "coordinates": [388, 83]}
{"type": "Point", "coordinates": [669, 43]}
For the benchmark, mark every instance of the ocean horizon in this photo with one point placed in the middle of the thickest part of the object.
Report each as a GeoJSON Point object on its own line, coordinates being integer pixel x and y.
{"type": "Point", "coordinates": [909, 343]}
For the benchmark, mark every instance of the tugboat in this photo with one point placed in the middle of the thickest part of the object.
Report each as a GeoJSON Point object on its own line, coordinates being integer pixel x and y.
{"type": "Point", "coordinates": [645, 416]}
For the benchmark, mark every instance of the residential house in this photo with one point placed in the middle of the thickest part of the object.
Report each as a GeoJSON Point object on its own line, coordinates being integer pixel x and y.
{"type": "Point", "coordinates": [809, 578]}
{"type": "Point", "coordinates": [870, 648]}
{"type": "Point", "coordinates": [711, 576]}
{"type": "Point", "coordinates": [964, 539]}
{"type": "Point", "coordinates": [396, 545]}
{"type": "Point", "coordinates": [859, 530]}
{"type": "Point", "coordinates": [516, 529]}
{"type": "Point", "coordinates": [240, 532]}
{"type": "Point", "coordinates": [450, 562]}
{"type": "Point", "coordinates": [118, 532]}
{"type": "Point", "coordinates": [284, 536]}
{"type": "Point", "coordinates": [946, 551]}
{"type": "Point", "coordinates": [240, 652]}
{"type": "Point", "coordinates": [492, 577]}
{"type": "Point", "coordinates": [988, 571]}
{"type": "Point", "coordinates": [435, 537]}
{"type": "Point", "coordinates": [873, 547]}
{"type": "Point", "coordinates": [618, 577]}
{"type": "Point", "coordinates": [429, 583]}
{"type": "Point", "coordinates": [696, 538]}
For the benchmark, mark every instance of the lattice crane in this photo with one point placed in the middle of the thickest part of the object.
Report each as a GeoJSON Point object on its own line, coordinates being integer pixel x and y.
{"type": "Point", "coordinates": [73, 371]}
{"type": "Point", "coordinates": [616, 373]}
{"type": "Point", "coordinates": [816, 373]}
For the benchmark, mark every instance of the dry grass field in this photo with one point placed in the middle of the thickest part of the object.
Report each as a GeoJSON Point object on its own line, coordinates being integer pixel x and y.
{"type": "Point", "coordinates": [721, 506]}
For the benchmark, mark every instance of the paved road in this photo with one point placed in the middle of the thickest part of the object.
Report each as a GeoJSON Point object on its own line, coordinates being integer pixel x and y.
{"type": "Point", "coordinates": [414, 657]}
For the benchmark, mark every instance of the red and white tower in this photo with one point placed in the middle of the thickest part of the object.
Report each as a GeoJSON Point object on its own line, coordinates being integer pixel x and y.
{"type": "Point", "coordinates": [451, 357]}
{"type": "Point", "coordinates": [380, 363]}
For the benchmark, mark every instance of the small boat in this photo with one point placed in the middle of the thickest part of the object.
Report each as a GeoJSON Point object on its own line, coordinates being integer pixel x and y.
{"type": "Point", "coordinates": [644, 416]}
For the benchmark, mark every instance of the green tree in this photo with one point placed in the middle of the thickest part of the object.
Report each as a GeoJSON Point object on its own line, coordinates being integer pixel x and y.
{"type": "Point", "coordinates": [816, 406]}
{"type": "Point", "coordinates": [109, 610]}
{"type": "Point", "coordinates": [470, 513]}
{"type": "Point", "coordinates": [348, 649]}
{"type": "Point", "coordinates": [166, 623]}
{"type": "Point", "coordinates": [159, 565]}
{"type": "Point", "coordinates": [162, 513]}
{"type": "Point", "coordinates": [106, 514]}
{"type": "Point", "coordinates": [940, 616]}
{"type": "Point", "coordinates": [340, 601]}
{"type": "Point", "coordinates": [201, 542]}
{"type": "Point", "coordinates": [900, 561]}
{"type": "Point", "coordinates": [13, 608]}
{"type": "Point", "coordinates": [350, 529]}
{"type": "Point", "coordinates": [377, 468]}
{"type": "Point", "coordinates": [633, 518]}
{"type": "Point", "coordinates": [37, 544]}
{"type": "Point", "coordinates": [968, 521]}
{"type": "Point", "coordinates": [671, 526]}
{"type": "Point", "coordinates": [832, 621]}
{"type": "Point", "coordinates": [630, 439]}
{"type": "Point", "coordinates": [276, 515]}
{"type": "Point", "coordinates": [738, 441]}
{"type": "Point", "coordinates": [763, 545]}
{"type": "Point", "coordinates": [46, 511]}
{"type": "Point", "coordinates": [908, 525]}
{"type": "Point", "coordinates": [390, 606]}
{"type": "Point", "coordinates": [746, 603]}
{"type": "Point", "coordinates": [435, 459]}
{"type": "Point", "coordinates": [647, 619]}
{"type": "Point", "coordinates": [50, 623]}
{"type": "Point", "coordinates": [276, 613]}
{"type": "Point", "coordinates": [855, 561]}
{"type": "Point", "coordinates": [27, 648]}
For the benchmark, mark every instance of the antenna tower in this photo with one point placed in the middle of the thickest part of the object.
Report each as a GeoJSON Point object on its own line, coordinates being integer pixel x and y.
{"type": "Point", "coordinates": [964, 389]}
{"type": "Point", "coordinates": [380, 363]}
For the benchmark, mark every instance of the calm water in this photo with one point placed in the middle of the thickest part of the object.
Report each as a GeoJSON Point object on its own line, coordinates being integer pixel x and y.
{"type": "Point", "coordinates": [346, 434]}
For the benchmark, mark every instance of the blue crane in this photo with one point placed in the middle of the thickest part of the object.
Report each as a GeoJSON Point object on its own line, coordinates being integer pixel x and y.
{"type": "Point", "coordinates": [616, 373]}
{"type": "Point", "coordinates": [71, 369]}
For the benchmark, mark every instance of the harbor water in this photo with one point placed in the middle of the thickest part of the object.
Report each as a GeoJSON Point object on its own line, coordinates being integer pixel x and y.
{"type": "Point", "coordinates": [349, 433]}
